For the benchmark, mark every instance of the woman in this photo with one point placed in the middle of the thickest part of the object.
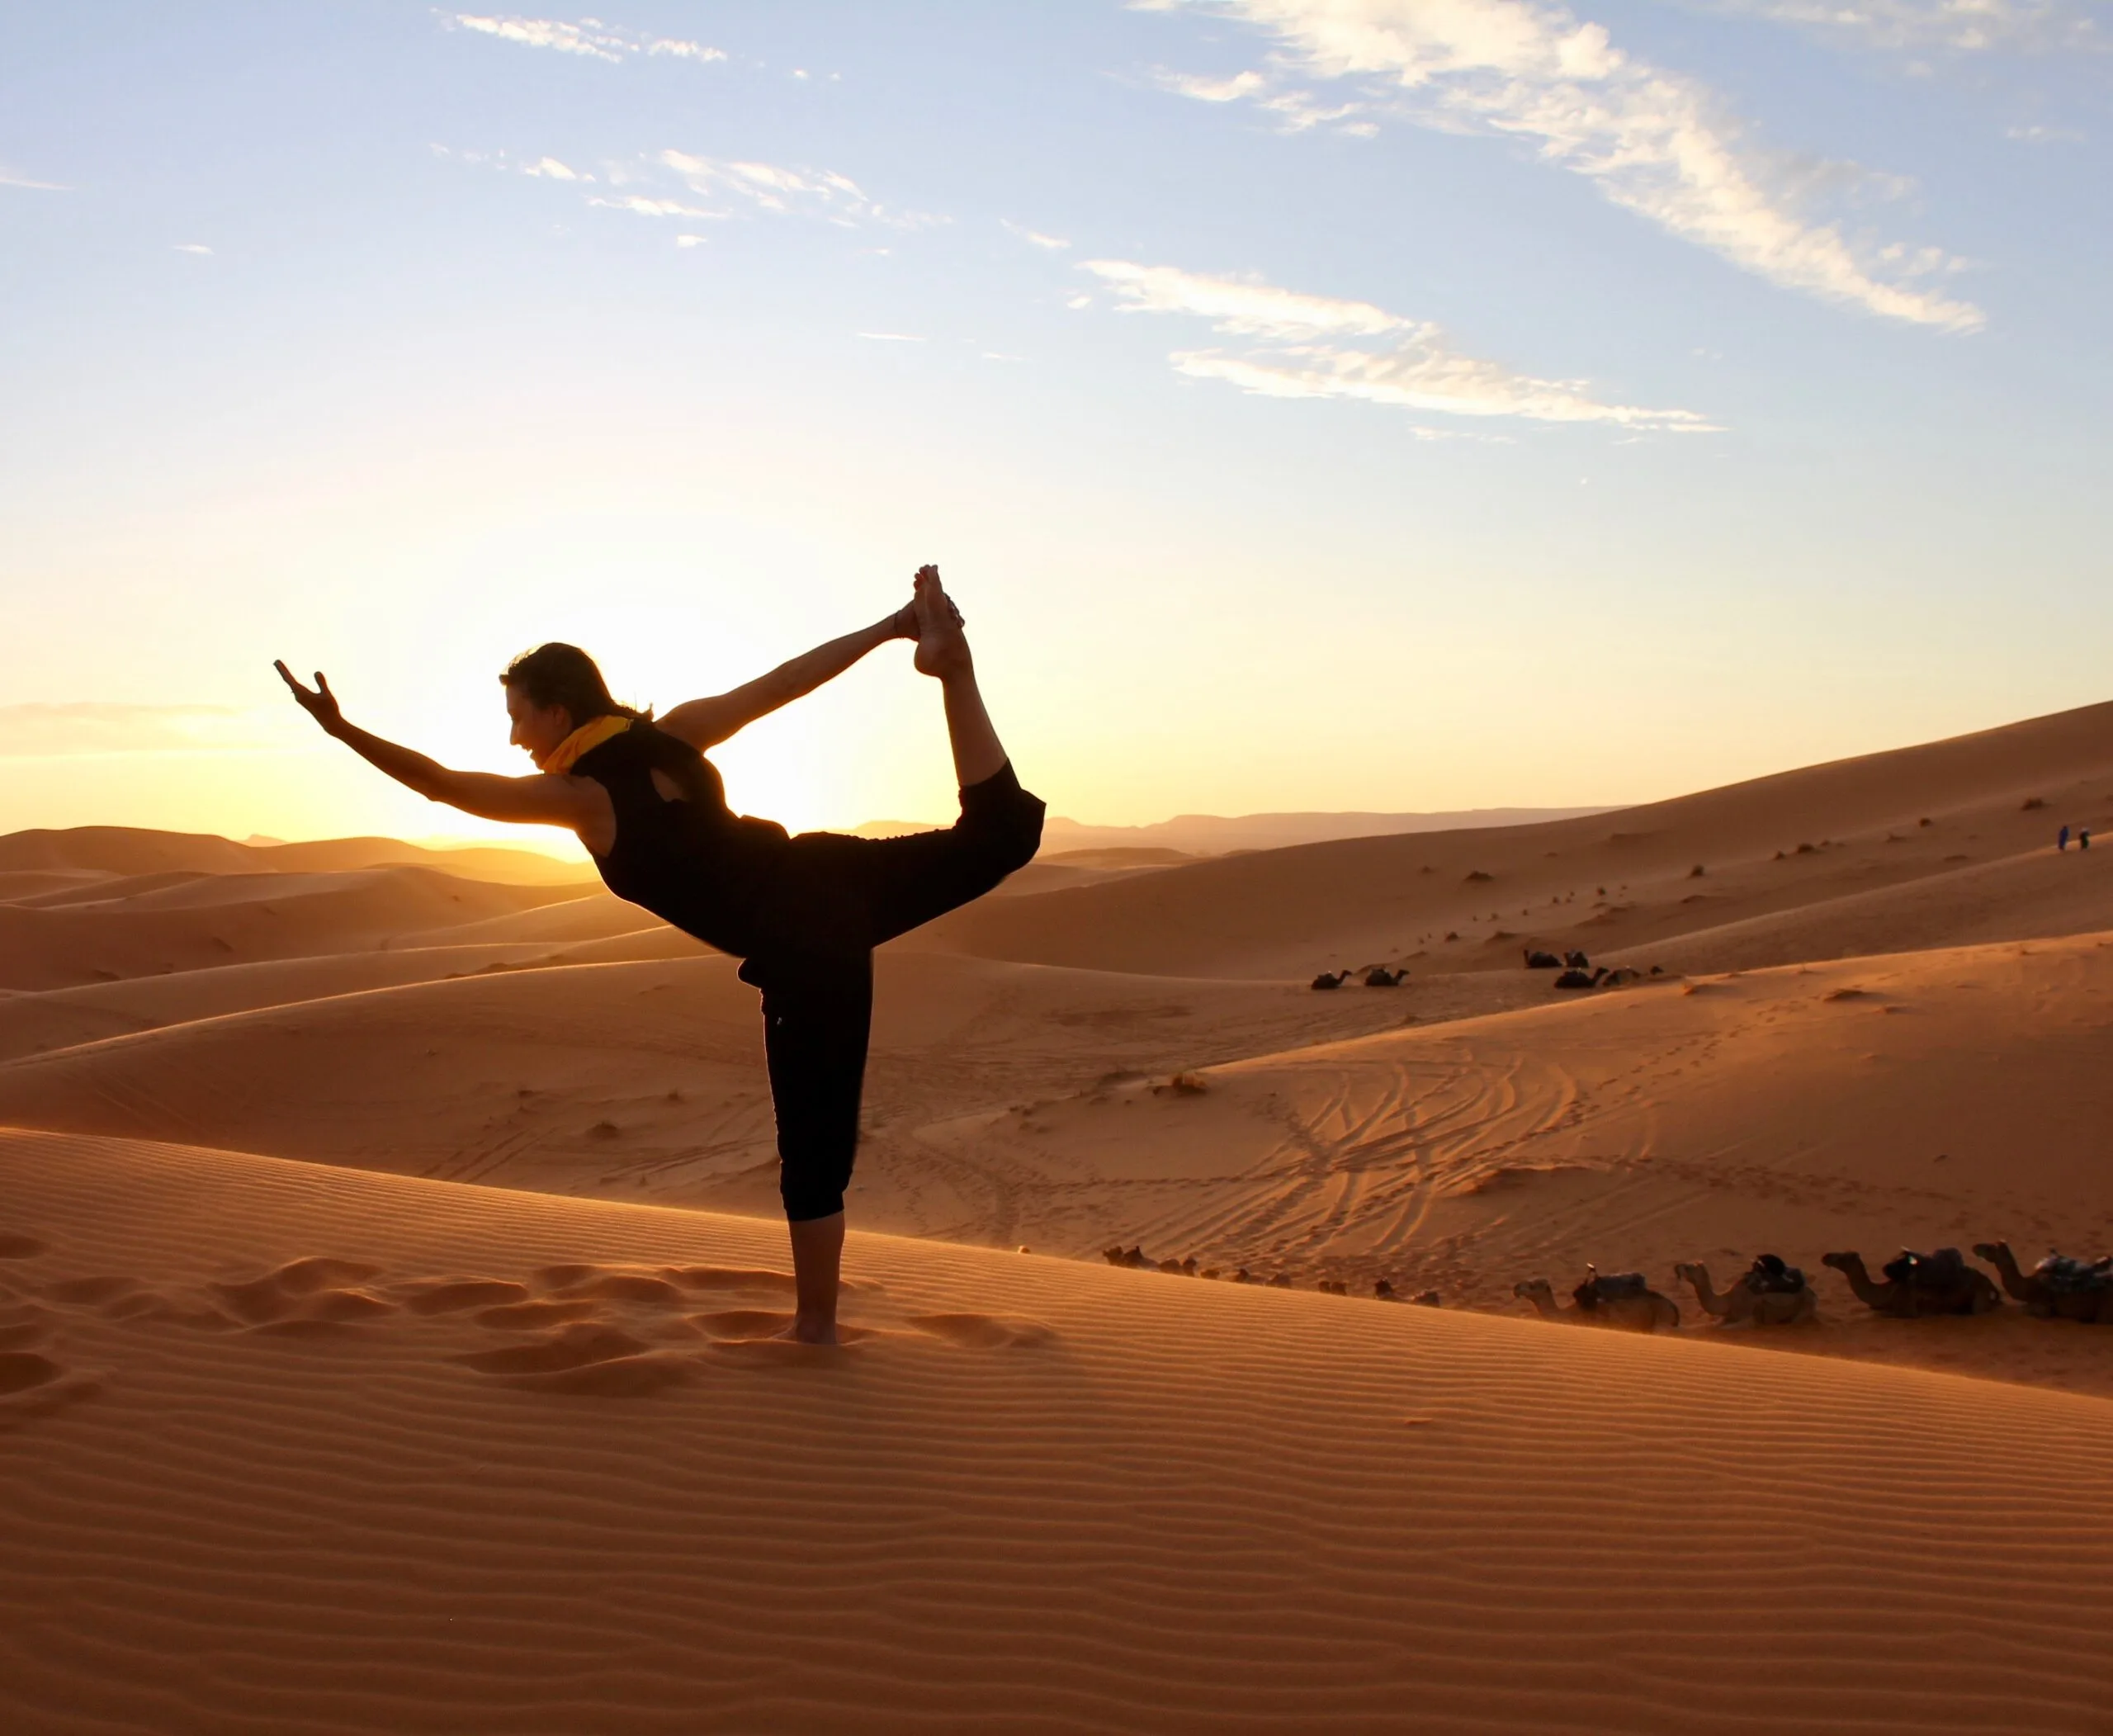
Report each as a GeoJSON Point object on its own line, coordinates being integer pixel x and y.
{"type": "Point", "coordinates": [804, 914]}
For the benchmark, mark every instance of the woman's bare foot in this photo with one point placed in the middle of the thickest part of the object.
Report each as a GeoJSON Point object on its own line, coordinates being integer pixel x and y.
{"type": "Point", "coordinates": [803, 1330]}
{"type": "Point", "coordinates": [941, 645]}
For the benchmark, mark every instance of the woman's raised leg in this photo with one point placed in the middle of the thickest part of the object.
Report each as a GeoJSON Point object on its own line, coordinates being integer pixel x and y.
{"type": "Point", "coordinates": [943, 652]}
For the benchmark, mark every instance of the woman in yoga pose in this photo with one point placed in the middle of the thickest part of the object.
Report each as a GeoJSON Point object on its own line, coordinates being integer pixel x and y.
{"type": "Point", "coordinates": [803, 913]}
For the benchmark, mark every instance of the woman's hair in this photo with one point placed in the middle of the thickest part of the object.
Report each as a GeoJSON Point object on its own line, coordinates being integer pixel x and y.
{"type": "Point", "coordinates": [564, 675]}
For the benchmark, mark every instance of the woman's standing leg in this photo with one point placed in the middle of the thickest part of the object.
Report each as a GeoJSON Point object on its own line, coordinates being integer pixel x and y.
{"type": "Point", "coordinates": [817, 1015]}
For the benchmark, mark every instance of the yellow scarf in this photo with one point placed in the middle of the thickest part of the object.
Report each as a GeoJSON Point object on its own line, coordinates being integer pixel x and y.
{"type": "Point", "coordinates": [586, 736]}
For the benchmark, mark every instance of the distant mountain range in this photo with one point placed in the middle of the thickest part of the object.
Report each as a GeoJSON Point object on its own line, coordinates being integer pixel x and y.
{"type": "Point", "coordinates": [1215, 834]}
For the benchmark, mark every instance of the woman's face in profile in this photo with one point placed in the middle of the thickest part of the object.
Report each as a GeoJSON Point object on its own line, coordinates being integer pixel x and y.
{"type": "Point", "coordinates": [536, 728]}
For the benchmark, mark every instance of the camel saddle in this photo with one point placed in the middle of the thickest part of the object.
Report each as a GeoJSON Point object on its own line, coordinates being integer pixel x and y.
{"type": "Point", "coordinates": [2064, 1272]}
{"type": "Point", "coordinates": [1941, 1269]}
{"type": "Point", "coordinates": [1610, 1287]}
{"type": "Point", "coordinates": [1769, 1275]}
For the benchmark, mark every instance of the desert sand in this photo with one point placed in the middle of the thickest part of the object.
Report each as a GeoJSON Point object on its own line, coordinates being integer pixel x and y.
{"type": "Point", "coordinates": [388, 1263]}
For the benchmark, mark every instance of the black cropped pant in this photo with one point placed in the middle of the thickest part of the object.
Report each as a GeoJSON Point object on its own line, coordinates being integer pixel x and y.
{"type": "Point", "coordinates": [836, 899]}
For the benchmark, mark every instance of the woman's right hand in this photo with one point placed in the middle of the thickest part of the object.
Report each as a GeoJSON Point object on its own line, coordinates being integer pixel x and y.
{"type": "Point", "coordinates": [319, 701]}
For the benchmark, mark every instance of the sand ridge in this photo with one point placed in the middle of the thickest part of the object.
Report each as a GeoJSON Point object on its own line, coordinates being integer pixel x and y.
{"type": "Point", "coordinates": [1138, 1505]}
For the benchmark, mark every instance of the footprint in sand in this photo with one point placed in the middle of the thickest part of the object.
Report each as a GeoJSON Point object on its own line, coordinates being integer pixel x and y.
{"type": "Point", "coordinates": [530, 1317]}
{"type": "Point", "coordinates": [16, 1246]}
{"type": "Point", "coordinates": [452, 1295]}
{"type": "Point", "coordinates": [314, 1298]}
{"type": "Point", "coordinates": [33, 1384]}
{"type": "Point", "coordinates": [982, 1331]}
{"type": "Point", "coordinates": [23, 1325]}
{"type": "Point", "coordinates": [586, 1357]}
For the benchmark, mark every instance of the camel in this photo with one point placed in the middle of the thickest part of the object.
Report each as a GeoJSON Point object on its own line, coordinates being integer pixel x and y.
{"type": "Point", "coordinates": [1768, 1294]}
{"type": "Point", "coordinates": [1917, 1284]}
{"type": "Point", "coordinates": [2059, 1288]}
{"type": "Point", "coordinates": [1624, 1302]}
{"type": "Point", "coordinates": [1380, 977]}
{"type": "Point", "coordinates": [1540, 960]}
{"type": "Point", "coordinates": [1334, 1286]}
{"type": "Point", "coordinates": [1622, 974]}
{"type": "Point", "coordinates": [1578, 979]}
{"type": "Point", "coordinates": [1385, 1291]}
{"type": "Point", "coordinates": [1577, 962]}
{"type": "Point", "coordinates": [1331, 980]}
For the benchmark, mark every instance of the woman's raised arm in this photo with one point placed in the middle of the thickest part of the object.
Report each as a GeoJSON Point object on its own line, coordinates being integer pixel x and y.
{"type": "Point", "coordinates": [542, 800]}
{"type": "Point", "coordinates": [704, 722]}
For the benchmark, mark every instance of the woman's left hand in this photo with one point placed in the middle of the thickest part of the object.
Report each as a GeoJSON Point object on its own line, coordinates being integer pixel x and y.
{"type": "Point", "coordinates": [319, 701]}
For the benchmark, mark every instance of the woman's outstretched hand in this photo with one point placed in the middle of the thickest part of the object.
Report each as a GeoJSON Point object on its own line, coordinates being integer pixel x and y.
{"type": "Point", "coordinates": [319, 701]}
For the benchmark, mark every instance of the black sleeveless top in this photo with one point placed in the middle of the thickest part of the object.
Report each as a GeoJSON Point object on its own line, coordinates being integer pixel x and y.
{"type": "Point", "coordinates": [694, 862]}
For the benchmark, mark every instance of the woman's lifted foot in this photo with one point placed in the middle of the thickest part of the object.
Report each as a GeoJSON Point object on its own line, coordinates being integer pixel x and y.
{"type": "Point", "coordinates": [941, 645]}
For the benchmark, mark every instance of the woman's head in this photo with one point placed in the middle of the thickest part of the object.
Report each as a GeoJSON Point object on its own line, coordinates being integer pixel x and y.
{"type": "Point", "coordinates": [550, 692]}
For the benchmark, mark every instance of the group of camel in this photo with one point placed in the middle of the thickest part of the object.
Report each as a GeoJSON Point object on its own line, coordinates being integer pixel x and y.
{"type": "Point", "coordinates": [1376, 976]}
{"type": "Point", "coordinates": [1576, 971]}
{"type": "Point", "coordinates": [1770, 1293]}
{"type": "Point", "coordinates": [1136, 1259]}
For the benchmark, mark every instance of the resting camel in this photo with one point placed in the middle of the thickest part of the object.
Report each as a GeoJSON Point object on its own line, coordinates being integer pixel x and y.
{"type": "Point", "coordinates": [1330, 979]}
{"type": "Point", "coordinates": [1577, 961]}
{"type": "Point", "coordinates": [1380, 977]}
{"type": "Point", "coordinates": [1917, 1284]}
{"type": "Point", "coordinates": [1578, 979]}
{"type": "Point", "coordinates": [1540, 960]}
{"type": "Point", "coordinates": [1768, 1294]}
{"type": "Point", "coordinates": [1621, 974]}
{"type": "Point", "coordinates": [2059, 1288]}
{"type": "Point", "coordinates": [1616, 1302]}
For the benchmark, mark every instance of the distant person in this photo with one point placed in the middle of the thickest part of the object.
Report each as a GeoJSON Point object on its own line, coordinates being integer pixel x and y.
{"type": "Point", "coordinates": [2062, 839]}
{"type": "Point", "coordinates": [2083, 839]}
{"type": "Point", "coordinates": [804, 914]}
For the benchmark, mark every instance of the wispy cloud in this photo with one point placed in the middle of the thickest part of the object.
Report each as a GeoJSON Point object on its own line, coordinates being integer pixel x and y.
{"type": "Point", "coordinates": [589, 38]}
{"type": "Point", "coordinates": [1652, 141]}
{"type": "Point", "coordinates": [639, 205]}
{"type": "Point", "coordinates": [1959, 26]}
{"type": "Point", "coordinates": [1034, 237]}
{"type": "Point", "coordinates": [2045, 135]}
{"type": "Point", "coordinates": [1320, 346]}
{"type": "Point", "coordinates": [891, 338]}
{"type": "Point", "coordinates": [79, 727]}
{"type": "Point", "coordinates": [10, 177]}
{"type": "Point", "coordinates": [1214, 90]}
{"type": "Point", "coordinates": [190, 247]}
{"type": "Point", "coordinates": [779, 190]}
{"type": "Point", "coordinates": [673, 184]}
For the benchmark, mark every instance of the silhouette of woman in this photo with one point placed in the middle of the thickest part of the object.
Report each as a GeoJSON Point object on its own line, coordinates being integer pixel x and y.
{"type": "Point", "coordinates": [803, 913]}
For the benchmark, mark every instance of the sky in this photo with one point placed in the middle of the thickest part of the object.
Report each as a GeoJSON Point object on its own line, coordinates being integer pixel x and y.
{"type": "Point", "coordinates": [1377, 404]}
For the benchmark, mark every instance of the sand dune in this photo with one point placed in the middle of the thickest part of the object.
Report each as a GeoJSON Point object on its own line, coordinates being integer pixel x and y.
{"type": "Point", "coordinates": [641, 1079]}
{"type": "Point", "coordinates": [2037, 896]}
{"type": "Point", "coordinates": [1925, 1100]}
{"type": "Point", "coordinates": [1606, 882]}
{"type": "Point", "coordinates": [297, 1445]}
{"type": "Point", "coordinates": [33, 1022]}
{"type": "Point", "coordinates": [122, 850]}
{"type": "Point", "coordinates": [193, 923]}
{"type": "Point", "coordinates": [435, 1458]}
